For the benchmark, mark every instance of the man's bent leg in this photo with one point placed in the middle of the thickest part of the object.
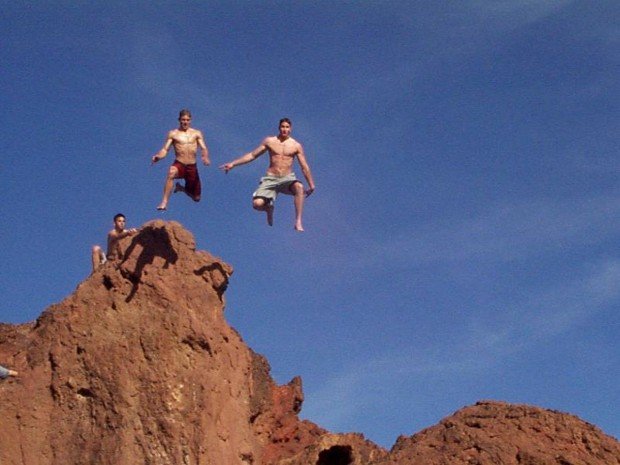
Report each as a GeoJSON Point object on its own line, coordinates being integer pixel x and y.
{"type": "Point", "coordinates": [264, 205]}
{"type": "Point", "coordinates": [192, 187]}
{"type": "Point", "coordinates": [97, 257]}
{"type": "Point", "coordinates": [173, 173]}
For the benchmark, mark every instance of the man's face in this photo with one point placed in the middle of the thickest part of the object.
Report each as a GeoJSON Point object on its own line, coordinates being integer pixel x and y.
{"type": "Point", "coordinates": [119, 223]}
{"type": "Point", "coordinates": [184, 122]}
{"type": "Point", "coordinates": [285, 129]}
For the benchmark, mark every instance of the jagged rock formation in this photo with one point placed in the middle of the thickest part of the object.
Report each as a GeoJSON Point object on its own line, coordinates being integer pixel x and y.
{"type": "Point", "coordinates": [138, 366]}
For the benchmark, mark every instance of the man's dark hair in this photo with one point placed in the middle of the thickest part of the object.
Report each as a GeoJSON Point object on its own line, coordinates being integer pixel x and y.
{"type": "Point", "coordinates": [119, 215]}
{"type": "Point", "coordinates": [185, 112]}
{"type": "Point", "coordinates": [285, 120]}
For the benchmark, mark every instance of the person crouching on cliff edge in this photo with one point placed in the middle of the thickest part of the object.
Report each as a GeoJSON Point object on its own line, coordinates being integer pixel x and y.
{"type": "Point", "coordinates": [114, 236]}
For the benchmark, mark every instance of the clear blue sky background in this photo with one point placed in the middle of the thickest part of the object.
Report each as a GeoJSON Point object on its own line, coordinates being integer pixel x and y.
{"type": "Point", "coordinates": [462, 243]}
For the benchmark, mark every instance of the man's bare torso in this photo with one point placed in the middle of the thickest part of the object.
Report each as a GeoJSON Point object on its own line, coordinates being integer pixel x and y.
{"type": "Point", "coordinates": [185, 144]}
{"type": "Point", "coordinates": [114, 250]}
{"type": "Point", "coordinates": [281, 155]}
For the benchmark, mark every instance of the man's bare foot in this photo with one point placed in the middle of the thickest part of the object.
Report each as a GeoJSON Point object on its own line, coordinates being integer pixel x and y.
{"type": "Point", "coordinates": [299, 227]}
{"type": "Point", "coordinates": [178, 187]}
{"type": "Point", "coordinates": [162, 207]}
{"type": "Point", "coordinates": [269, 211]}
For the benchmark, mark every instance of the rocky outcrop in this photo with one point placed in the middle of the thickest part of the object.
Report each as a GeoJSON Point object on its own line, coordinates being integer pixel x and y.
{"type": "Point", "coordinates": [139, 366]}
{"type": "Point", "coordinates": [491, 433]}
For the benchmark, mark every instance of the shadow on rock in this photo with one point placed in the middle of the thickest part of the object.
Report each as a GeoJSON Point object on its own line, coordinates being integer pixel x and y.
{"type": "Point", "coordinates": [150, 243]}
{"type": "Point", "coordinates": [218, 276]}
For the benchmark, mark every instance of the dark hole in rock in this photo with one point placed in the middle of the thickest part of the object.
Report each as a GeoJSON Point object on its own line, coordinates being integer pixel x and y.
{"type": "Point", "coordinates": [336, 455]}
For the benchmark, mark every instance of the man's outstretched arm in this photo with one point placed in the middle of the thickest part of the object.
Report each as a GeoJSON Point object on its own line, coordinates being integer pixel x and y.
{"type": "Point", "coordinates": [115, 235]}
{"type": "Point", "coordinates": [247, 158]}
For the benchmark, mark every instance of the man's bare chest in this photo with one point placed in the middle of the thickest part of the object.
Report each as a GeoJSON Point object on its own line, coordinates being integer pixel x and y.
{"type": "Point", "coordinates": [185, 138]}
{"type": "Point", "coordinates": [282, 149]}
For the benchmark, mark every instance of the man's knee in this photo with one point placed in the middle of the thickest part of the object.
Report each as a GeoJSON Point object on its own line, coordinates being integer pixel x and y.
{"type": "Point", "coordinates": [297, 188]}
{"type": "Point", "coordinates": [98, 256]}
{"type": "Point", "coordinates": [259, 203]}
{"type": "Point", "coordinates": [173, 172]}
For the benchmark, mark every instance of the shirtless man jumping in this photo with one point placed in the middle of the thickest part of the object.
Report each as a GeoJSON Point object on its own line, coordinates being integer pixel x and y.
{"type": "Point", "coordinates": [114, 252]}
{"type": "Point", "coordinates": [280, 177]}
{"type": "Point", "coordinates": [185, 141]}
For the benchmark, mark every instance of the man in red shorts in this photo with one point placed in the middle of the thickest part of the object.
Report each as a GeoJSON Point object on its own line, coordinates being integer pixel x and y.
{"type": "Point", "coordinates": [185, 141]}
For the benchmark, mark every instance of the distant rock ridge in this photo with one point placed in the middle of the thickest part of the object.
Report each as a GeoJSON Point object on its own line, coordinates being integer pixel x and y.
{"type": "Point", "coordinates": [139, 366]}
{"type": "Point", "coordinates": [493, 432]}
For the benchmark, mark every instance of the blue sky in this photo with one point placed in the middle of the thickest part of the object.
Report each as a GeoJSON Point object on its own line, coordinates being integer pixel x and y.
{"type": "Point", "coordinates": [462, 243]}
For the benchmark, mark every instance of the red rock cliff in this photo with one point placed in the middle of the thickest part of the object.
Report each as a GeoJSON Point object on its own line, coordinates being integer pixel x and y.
{"type": "Point", "coordinates": [138, 366]}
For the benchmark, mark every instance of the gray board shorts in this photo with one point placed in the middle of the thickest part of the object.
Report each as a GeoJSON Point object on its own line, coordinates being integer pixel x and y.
{"type": "Point", "coordinates": [270, 186]}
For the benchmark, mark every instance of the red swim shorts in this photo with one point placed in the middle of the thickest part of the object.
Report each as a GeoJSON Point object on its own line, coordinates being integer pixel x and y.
{"type": "Point", "coordinates": [192, 180]}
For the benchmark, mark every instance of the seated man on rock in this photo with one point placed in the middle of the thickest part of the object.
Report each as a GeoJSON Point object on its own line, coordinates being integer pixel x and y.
{"type": "Point", "coordinates": [114, 236]}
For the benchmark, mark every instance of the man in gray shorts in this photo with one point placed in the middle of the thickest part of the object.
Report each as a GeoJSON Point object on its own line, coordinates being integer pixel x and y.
{"type": "Point", "coordinates": [283, 150]}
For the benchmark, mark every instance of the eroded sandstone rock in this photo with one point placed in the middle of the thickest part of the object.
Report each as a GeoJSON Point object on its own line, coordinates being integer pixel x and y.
{"type": "Point", "coordinates": [139, 366]}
